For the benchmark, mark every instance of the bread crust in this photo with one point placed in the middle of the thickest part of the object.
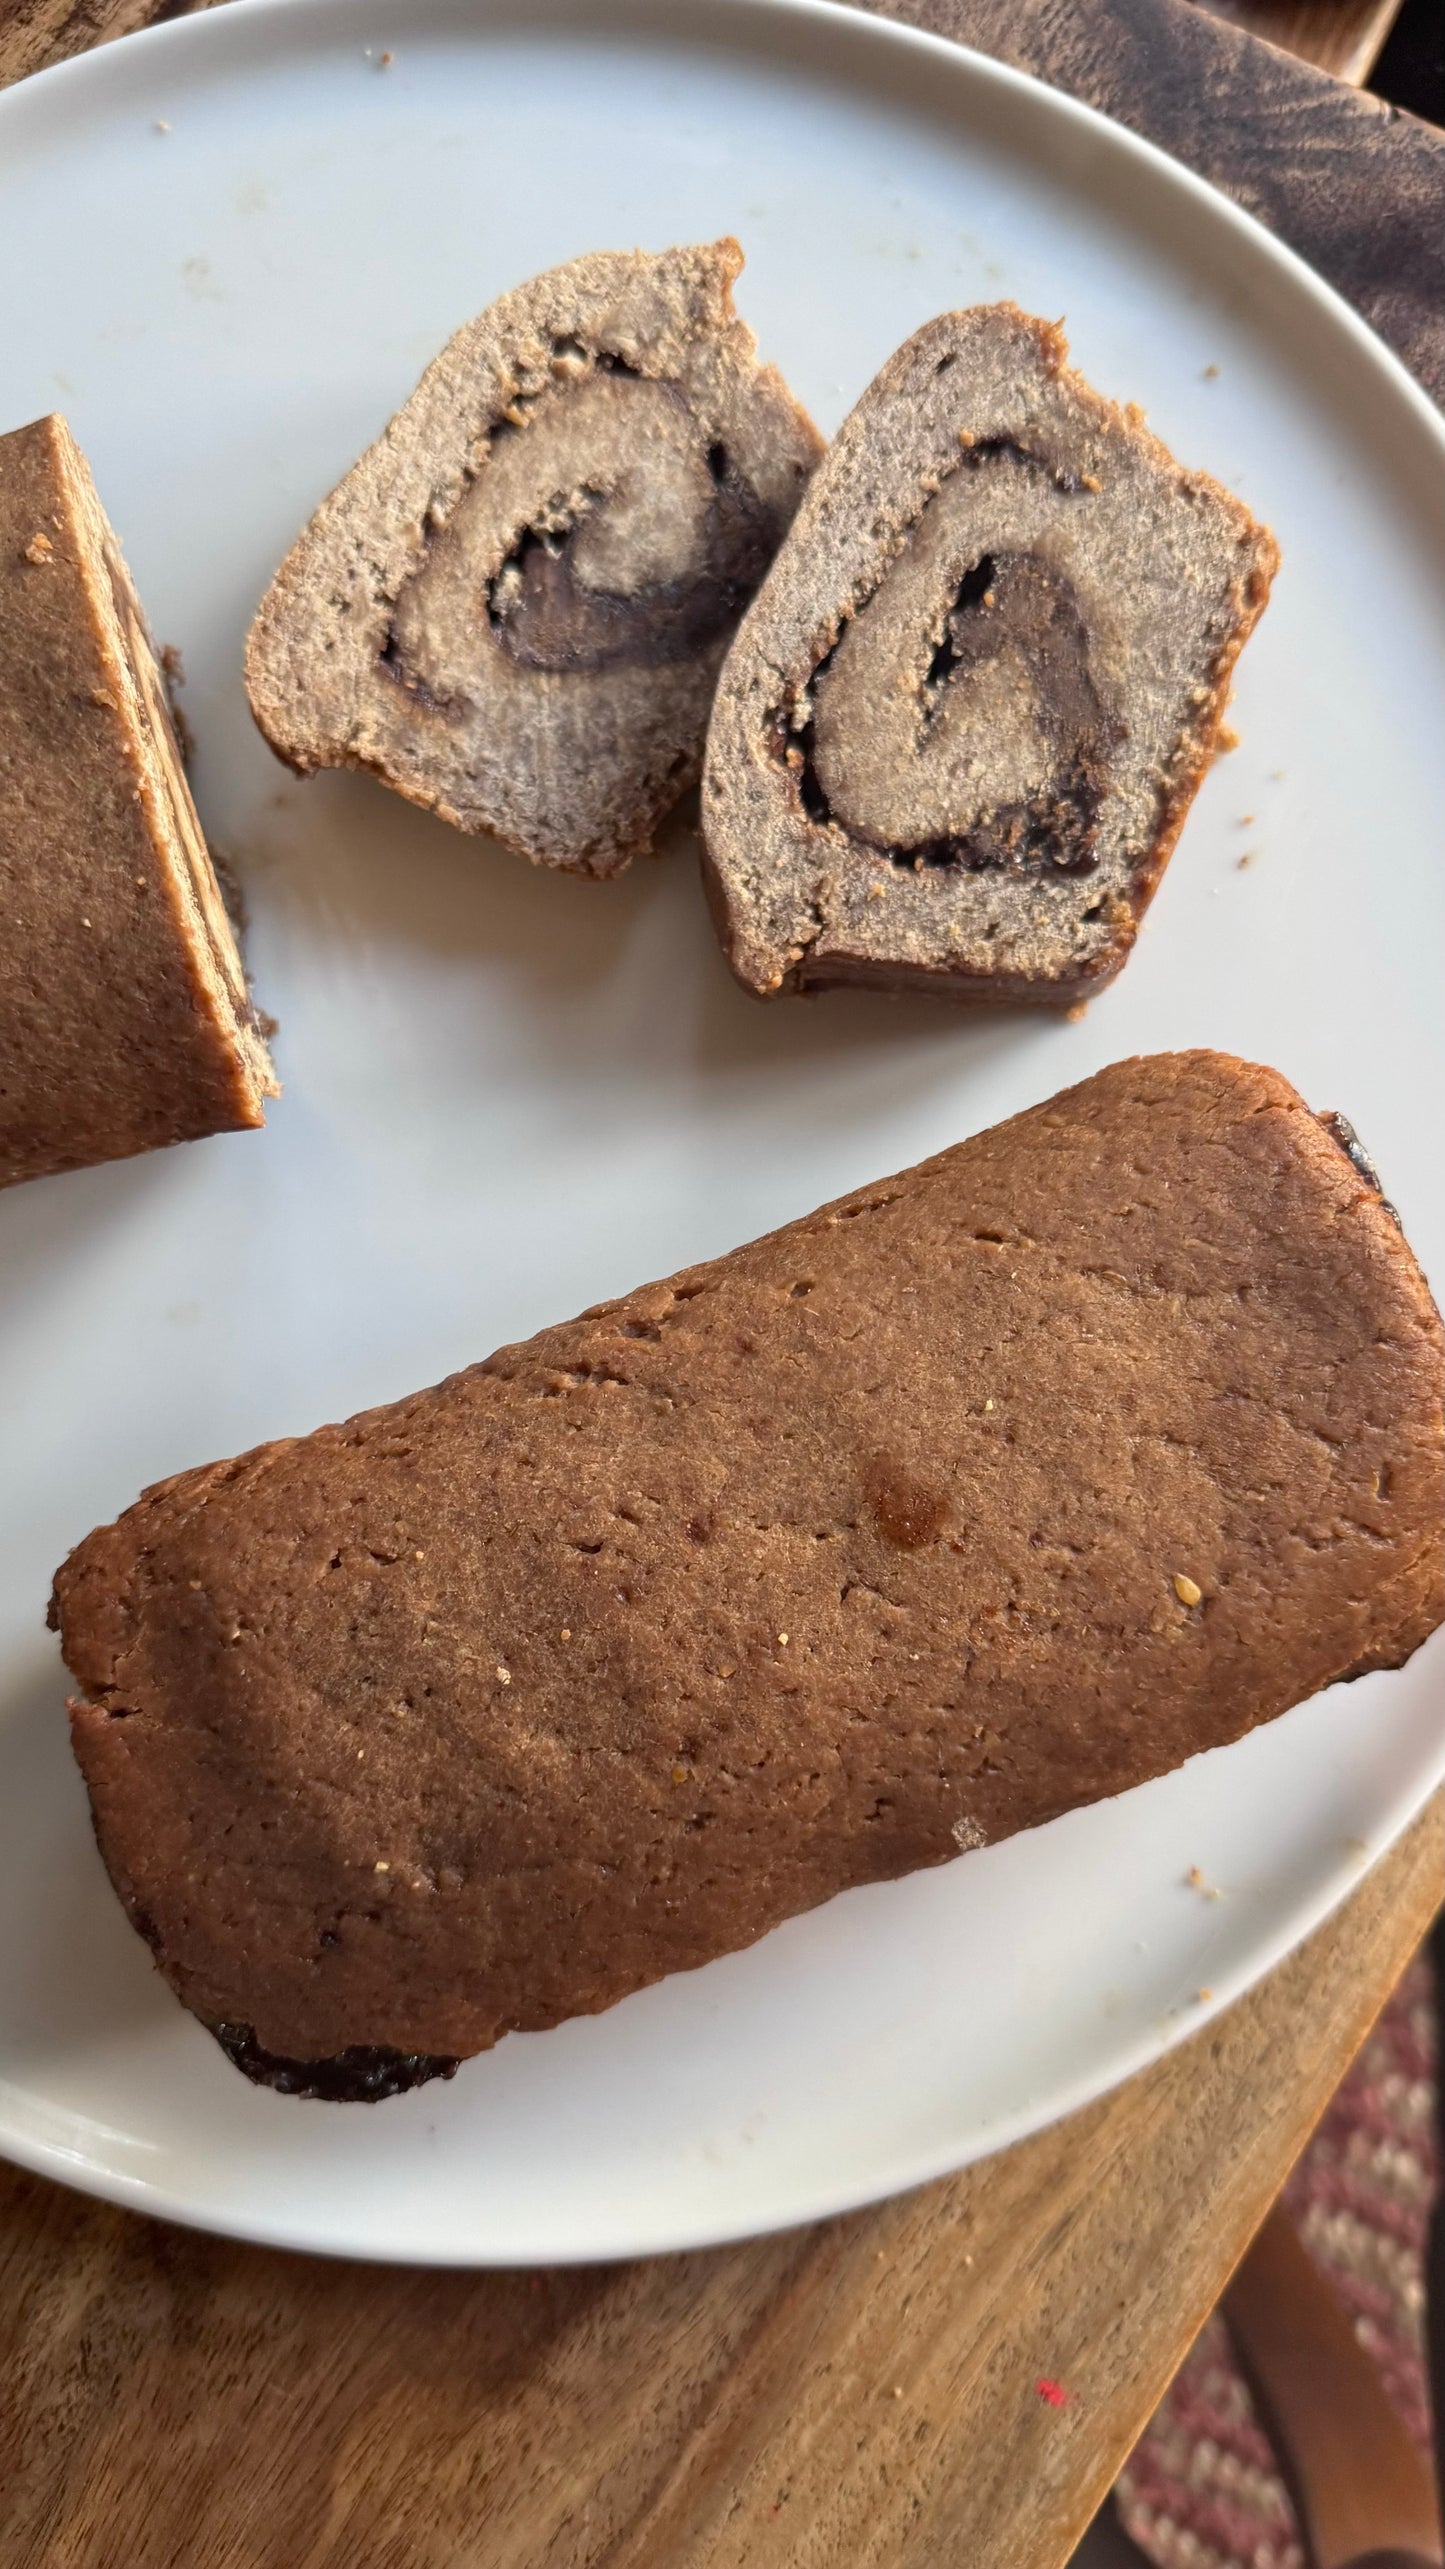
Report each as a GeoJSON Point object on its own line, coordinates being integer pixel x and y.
{"type": "Point", "coordinates": [990, 1489]}
{"type": "Point", "coordinates": [125, 1019]}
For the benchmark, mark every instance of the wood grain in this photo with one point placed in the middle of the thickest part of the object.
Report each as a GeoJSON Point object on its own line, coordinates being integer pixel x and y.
{"type": "Point", "coordinates": [844, 2397]}
{"type": "Point", "coordinates": [36, 33]}
{"type": "Point", "coordinates": [1362, 2487]}
{"type": "Point", "coordinates": [1341, 37]}
{"type": "Point", "coordinates": [1354, 186]}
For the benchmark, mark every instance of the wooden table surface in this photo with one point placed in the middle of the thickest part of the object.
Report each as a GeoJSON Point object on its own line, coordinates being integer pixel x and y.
{"type": "Point", "coordinates": [867, 2391]}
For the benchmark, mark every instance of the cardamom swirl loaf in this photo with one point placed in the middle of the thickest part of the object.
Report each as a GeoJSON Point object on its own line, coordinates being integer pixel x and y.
{"type": "Point", "coordinates": [993, 1488]}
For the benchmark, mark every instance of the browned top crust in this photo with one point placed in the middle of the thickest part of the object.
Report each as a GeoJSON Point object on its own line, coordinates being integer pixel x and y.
{"type": "Point", "coordinates": [514, 607]}
{"type": "Point", "coordinates": [125, 1020]}
{"type": "Point", "coordinates": [992, 1488]}
{"type": "Point", "coordinates": [958, 730]}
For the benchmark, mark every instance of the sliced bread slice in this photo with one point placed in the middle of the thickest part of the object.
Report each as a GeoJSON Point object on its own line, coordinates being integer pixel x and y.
{"type": "Point", "coordinates": [514, 608]}
{"type": "Point", "coordinates": [959, 729]}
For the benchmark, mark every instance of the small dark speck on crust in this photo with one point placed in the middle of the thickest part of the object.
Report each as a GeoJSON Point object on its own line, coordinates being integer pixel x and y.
{"type": "Point", "coordinates": [362, 2075]}
{"type": "Point", "coordinates": [1343, 1132]}
{"type": "Point", "coordinates": [906, 1510]}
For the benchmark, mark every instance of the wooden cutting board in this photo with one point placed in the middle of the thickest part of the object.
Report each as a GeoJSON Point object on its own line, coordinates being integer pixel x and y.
{"type": "Point", "coordinates": [949, 2381]}
{"type": "Point", "coordinates": [952, 2378]}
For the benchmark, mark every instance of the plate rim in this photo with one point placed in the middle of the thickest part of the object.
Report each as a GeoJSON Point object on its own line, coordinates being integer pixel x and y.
{"type": "Point", "coordinates": [300, 25]}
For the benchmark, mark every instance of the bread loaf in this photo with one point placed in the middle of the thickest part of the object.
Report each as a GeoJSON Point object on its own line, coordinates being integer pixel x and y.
{"type": "Point", "coordinates": [995, 1487]}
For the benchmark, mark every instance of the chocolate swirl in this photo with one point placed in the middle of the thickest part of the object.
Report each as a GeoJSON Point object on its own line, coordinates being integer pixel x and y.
{"type": "Point", "coordinates": [957, 719]}
{"type": "Point", "coordinates": [607, 531]}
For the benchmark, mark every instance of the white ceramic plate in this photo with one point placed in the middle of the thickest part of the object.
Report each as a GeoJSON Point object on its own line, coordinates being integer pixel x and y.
{"type": "Point", "coordinates": [231, 247]}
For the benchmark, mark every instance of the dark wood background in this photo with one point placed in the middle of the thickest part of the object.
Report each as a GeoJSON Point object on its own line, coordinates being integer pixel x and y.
{"type": "Point", "coordinates": [1351, 183]}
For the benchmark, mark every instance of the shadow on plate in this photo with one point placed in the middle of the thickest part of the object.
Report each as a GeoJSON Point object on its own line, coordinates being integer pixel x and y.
{"type": "Point", "coordinates": [48, 1224]}
{"type": "Point", "coordinates": [82, 1976]}
{"type": "Point", "coordinates": [353, 865]}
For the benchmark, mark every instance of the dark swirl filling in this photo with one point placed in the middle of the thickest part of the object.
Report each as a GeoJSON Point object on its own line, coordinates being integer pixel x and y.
{"type": "Point", "coordinates": [605, 529]}
{"type": "Point", "coordinates": [956, 719]}
{"type": "Point", "coordinates": [362, 2075]}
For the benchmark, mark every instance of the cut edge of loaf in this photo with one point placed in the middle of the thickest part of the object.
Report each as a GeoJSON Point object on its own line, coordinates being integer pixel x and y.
{"type": "Point", "coordinates": [204, 929]}
{"type": "Point", "coordinates": [278, 679]}
{"type": "Point", "coordinates": [767, 969]}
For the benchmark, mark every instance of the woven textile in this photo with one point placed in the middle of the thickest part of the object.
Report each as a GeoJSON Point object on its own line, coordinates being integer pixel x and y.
{"type": "Point", "coordinates": [1202, 2489]}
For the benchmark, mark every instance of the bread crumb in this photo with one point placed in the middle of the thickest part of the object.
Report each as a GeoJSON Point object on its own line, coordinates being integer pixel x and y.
{"type": "Point", "coordinates": [385, 61]}
{"type": "Point", "coordinates": [1196, 1882]}
{"type": "Point", "coordinates": [988, 1404]}
{"type": "Point", "coordinates": [381, 1865]}
{"type": "Point", "coordinates": [1248, 858]}
{"type": "Point", "coordinates": [161, 125]}
{"type": "Point", "coordinates": [1203, 1996]}
{"type": "Point", "coordinates": [898, 2390]}
{"type": "Point", "coordinates": [679, 1775]}
{"type": "Point", "coordinates": [504, 1676]}
{"type": "Point", "coordinates": [875, 890]}
{"type": "Point", "coordinates": [1245, 821]}
{"type": "Point", "coordinates": [102, 697]}
{"type": "Point", "coordinates": [1211, 374]}
{"type": "Point", "coordinates": [1226, 739]}
{"type": "Point", "coordinates": [1091, 481]}
{"type": "Point", "coordinates": [1075, 1016]}
{"type": "Point", "coordinates": [1187, 1590]}
{"type": "Point", "coordinates": [39, 549]}
{"type": "Point", "coordinates": [566, 1632]}
{"type": "Point", "coordinates": [782, 1641]}
{"type": "Point", "coordinates": [418, 1556]}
